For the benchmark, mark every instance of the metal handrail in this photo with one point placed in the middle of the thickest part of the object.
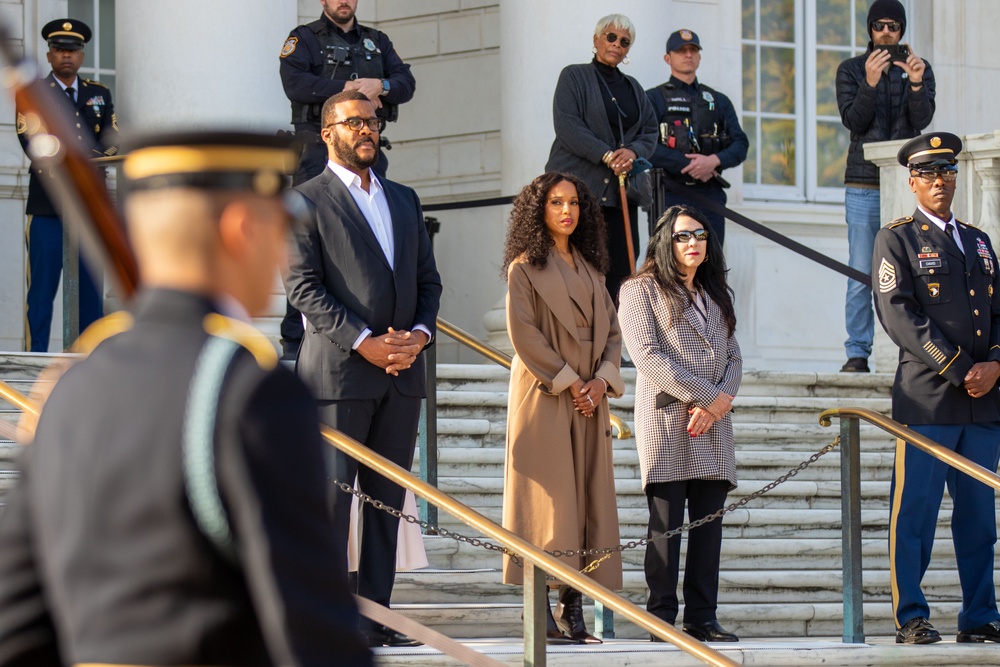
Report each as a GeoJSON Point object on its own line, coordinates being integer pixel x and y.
{"type": "Point", "coordinates": [505, 360]}
{"type": "Point", "coordinates": [524, 549]}
{"type": "Point", "coordinates": [919, 441]}
{"type": "Point", "coordinates": [509, 540]}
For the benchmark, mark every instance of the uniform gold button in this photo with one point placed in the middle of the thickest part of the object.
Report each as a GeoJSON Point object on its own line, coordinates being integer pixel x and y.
{"type": "Point", "coordinates": [972, 292]}
{"type": "Point", "coordinates": [932, 270]}
{"type": "Point", "coordinates": [78, 125]}
{"type": "Point", "coordinates": [975, 312]}
{"type": "Point", "coordinates": [978, 332]}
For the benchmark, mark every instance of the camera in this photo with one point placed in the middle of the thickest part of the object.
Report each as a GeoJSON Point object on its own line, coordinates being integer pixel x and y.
{"type": "Point", "coordinates": [898, 52]}
{"type": "Point", "coordinates": [338, 55]}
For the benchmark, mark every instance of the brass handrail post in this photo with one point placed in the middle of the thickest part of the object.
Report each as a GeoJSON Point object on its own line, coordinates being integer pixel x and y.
{"type": "Point", "coordinates": [536, 602]}
{"type": "Point", "coordinates": [850, 504]}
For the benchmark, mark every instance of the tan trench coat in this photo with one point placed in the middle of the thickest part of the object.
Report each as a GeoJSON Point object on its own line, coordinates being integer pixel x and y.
{"type": "Point", "coordinates": [559, 484]}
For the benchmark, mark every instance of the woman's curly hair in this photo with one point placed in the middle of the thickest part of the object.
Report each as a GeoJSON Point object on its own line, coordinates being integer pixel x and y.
{"type": "Point", "coordinates": [528, 236]}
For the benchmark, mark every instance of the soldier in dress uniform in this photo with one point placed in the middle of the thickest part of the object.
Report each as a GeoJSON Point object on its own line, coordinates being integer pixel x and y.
{"type": "Point", "coordinates": [935, 280]}
{"type": "Point", "coordinates": [173, 506]}
{"type": "Point", "coordinates": [319, 60]}
{"type": "Point", "coordinates": [93, 112]}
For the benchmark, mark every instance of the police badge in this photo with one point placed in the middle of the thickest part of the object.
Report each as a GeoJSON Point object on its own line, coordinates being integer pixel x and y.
{"type": "Point", "coordinates": [369, 44]}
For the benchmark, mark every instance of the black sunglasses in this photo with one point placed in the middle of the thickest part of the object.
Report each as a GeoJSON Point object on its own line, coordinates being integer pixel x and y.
{"type": "Point", "coordinates": [355, 123]}
{"type": "Point", "coordinates": [612, 38]}
{"type": "Point", "coordinates": [893, 26]}
{"type": "Point", "coordinates": [686, 236]}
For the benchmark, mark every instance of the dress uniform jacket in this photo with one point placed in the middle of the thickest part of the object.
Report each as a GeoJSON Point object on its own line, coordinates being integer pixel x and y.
{"type": "Point", "coordinates": [939, 306]}
{"type": "Point", "coordinates": [673, 356]}
{"type": "Point", "coordinates": [559, 479]}
{"type": "Point", "coordinates": [99, 541]}
{"type": "Point", "coordinates": [93, 115]}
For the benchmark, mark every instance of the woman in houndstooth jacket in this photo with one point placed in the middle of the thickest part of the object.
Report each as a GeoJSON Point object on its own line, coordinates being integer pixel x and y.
{"type": "Point", "coordinates": [678, 323]}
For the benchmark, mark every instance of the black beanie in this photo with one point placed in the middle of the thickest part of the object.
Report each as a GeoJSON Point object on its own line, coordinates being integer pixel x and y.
{"type": "Point", "coordinates": [886, 9]}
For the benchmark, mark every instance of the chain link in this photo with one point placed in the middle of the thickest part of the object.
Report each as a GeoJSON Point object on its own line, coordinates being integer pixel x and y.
{"type": "Point", "coordinates": [604, 552]}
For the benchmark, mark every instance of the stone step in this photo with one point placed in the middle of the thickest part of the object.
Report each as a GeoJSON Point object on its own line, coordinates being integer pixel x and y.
{"type": "Point", "coordinates": [805, 619]}
{"type": "Point", "coordinates": [737, 554]}
{"type": "Point", "coordinates": [735, 586]}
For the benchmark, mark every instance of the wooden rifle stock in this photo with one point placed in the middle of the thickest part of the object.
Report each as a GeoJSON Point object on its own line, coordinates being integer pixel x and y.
{"type": "Point", "coordinates": [76, 188]}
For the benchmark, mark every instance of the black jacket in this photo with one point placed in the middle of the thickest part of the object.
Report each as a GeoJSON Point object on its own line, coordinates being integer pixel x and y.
{"type": "Point", "coordinates": [890, 110]}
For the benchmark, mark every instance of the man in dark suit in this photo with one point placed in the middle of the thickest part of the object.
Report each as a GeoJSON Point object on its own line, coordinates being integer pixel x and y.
{"type": "Point", "coordinates": [94, 112]}
{"type": "Point", "coordinates": [363, 275]}
{"type": "Point", "coordinates": [935, 280]}
{"type": "Point", "coordinates": [173, 507]}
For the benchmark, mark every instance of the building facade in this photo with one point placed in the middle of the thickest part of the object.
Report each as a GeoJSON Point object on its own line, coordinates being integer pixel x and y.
{"type": "Point", "coordinates": [480, 124]}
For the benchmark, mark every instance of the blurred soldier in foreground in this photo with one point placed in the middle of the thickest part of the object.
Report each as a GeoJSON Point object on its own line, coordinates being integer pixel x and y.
{"type": "Point", "coordinates": [173, 506]}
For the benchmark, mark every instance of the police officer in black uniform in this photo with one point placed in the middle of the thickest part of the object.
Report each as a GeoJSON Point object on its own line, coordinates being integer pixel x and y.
{"type": "Point", "coordinates": [173, 505]}
{"type": "Point", "coordinates": [936, 281]}
{"type": "Point", "coordinates": [319, 60]}
{"type": "Point", "coordinates": [700, 135]}
{"type": "Point", "coordinates": [93, 112]}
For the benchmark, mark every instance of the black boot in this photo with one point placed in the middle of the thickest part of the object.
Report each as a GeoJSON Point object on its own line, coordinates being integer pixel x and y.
{"type": "Point", "coordinates": [553, 635]}
{"type": "Point", "coordinates": [569, 616]}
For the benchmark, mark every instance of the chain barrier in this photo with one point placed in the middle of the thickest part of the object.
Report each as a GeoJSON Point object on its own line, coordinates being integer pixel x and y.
{"type": "Point", "coordinates": [604, 552]}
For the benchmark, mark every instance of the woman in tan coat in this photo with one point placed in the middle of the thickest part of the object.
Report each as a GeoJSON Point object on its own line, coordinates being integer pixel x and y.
{"type": "Point", "coordinates": [559, 485]}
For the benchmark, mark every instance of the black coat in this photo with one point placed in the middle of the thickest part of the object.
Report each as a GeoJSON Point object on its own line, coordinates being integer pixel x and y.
{"type": "Point", "coordinates": [99, 541]}
{"type": "Point", "coordinates": [890, 110]}
{"type": "Point", "coordinates": [340, 280]}
{"type": "Point", "coordinates": [94, 117]}
{"type": "Point", "coordinates": [942, 310]}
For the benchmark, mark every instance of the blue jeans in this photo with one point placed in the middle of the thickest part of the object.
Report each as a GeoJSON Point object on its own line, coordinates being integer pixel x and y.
{"type": "Point", "coordinates": [863, 222]}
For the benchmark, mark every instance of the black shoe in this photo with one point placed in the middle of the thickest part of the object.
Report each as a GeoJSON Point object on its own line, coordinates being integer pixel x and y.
{"type": "Point", "coordinates": [383, 636]}
{"type": "Point", "coordinates": [569, 616]}
{"type": "Point", "coordinates": [984, 633]}
{"type": "Point", "coordinates": [856, 365]}
{"type": "Point", "coordinates": [710, 631]}
{"type": "Point", "coordinates": [918, 631]}
{"type": "Point", "coordinates": [553, 635]}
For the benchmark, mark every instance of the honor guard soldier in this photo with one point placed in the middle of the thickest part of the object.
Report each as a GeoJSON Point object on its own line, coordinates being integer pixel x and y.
{"type": "Point", "coordinates": [936, 279]}
{"type": "Point", "coordinates": [319, 60]}
{"type": "Point", "coordinates": [89, 105]}
{"type": "Point", "coordinates": [700, 135]}
{"type": "Point", "coordinates": [173, 505]}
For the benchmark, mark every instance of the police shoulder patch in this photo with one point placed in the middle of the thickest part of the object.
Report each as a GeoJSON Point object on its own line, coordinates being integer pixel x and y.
{"type": "Point", "coordinates": [289, 47]}
{"type": "Point", "coordinates": [886, 276]}
{"type": "Point", "coordinates": [900, 221]}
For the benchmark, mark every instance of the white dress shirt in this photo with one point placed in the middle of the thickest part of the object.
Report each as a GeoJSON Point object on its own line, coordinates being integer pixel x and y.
{"type": "Point", "coordinates": [76, 87]}
{"type": "Point", "coordinates": [375, 207]}
{"type": "Point", "coordinates": [941, 224]}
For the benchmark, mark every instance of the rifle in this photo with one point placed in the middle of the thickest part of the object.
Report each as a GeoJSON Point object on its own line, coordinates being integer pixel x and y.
{"type": "Point", "coordinates": [77, 189]}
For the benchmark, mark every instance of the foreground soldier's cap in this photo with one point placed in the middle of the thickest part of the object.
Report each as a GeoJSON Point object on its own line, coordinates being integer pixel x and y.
{"type": "Point", "coordinates": [931, 150]}
{"type": "Point", "coordinates": [211, 160]}
{"type": "Point", "coordinates": [66, 34]}
{"type": "Point", "coordinates": [682, 38]}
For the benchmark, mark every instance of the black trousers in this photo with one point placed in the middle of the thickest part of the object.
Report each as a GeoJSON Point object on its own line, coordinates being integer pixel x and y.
{"type": "Point", "coordinates": [701, 570]}
{"type": "Point", "coordinates": [618, 246]}
{"type": "Point", "coordinates": [388, 426]}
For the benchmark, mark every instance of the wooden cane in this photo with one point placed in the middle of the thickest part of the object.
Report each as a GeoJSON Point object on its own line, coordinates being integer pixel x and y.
{"type": "Point", "coordinates": [628, 223]}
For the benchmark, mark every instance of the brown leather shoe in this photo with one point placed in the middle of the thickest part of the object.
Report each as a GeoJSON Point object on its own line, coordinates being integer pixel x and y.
{"type": "Point", "coordinates": [856, 365]}
{"type": "Point", "coordinates": [569, 616]}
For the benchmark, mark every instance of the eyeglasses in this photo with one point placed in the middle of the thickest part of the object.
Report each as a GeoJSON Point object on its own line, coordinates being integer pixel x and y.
{"type": "Point", "coordinates": [930, 177]}
{"type": "Point", "coordinates": [893, 26]}
{"type": "Point", "coordinates": [686, 236]}
{"type": "Point", "coordinates": [612, 38]}
{"type": "Point", "coordinates": [355, 123]}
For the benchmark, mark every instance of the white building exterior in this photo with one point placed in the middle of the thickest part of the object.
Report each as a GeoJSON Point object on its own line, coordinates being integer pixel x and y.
{"type": "Point", "coordinates": [480, 124]}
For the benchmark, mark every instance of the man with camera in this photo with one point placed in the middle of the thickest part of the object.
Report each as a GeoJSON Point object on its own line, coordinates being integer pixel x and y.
{"type": "Point", "coordinates": [700, 134]}
{"type": "Point", "coordinates": [885, 93]}
{"type": "Point", "coordinates": [319, 60]}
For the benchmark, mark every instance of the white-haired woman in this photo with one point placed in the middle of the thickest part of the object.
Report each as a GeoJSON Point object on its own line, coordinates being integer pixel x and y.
{"type": "Point", "coordinates": [603, 122]}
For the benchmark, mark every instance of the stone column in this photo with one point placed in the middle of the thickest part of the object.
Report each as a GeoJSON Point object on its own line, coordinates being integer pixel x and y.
{"type": "Point", "coordinates": [983, 209]}
{"type": "Point", "coordinates": [190, 64]}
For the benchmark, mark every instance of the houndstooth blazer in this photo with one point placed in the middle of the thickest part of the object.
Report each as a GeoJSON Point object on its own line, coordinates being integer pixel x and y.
{"type": "Point", "coordinates": [671, 355]}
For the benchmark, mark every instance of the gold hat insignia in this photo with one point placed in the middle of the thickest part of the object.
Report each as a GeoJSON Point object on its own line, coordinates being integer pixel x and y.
{"type": "Point", "coordinates": [67, 26]}
{"type": "Point", "coordinates": [935, 142]}
{"type": "Point", "coordinates": [686, 35]}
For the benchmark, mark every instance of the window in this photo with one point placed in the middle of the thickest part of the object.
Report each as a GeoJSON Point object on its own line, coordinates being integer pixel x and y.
{"type": "Point", "coordinates": [99, 58]}
{"type": "Point", "coordinates": [791, 51]}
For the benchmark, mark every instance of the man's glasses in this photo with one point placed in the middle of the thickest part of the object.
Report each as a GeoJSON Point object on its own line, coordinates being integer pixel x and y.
{"type": "Point", "coordinates": [612, 38]}
{"type": "Point", "coordinates": [686, 236]}
{"type": "Point", "coordinates": [930, 177]}
{"type": "Point", "coordinates": [355, 123]}
{"type": "Point", "coordinates": [893, 26]}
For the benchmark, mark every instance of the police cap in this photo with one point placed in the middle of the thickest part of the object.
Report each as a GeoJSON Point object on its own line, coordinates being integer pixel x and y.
{"type": "Point", "coordinates": [930, 151]}
{"type": "Point", "coordinates": [66, 34]}
{"type": "Point", "coordinates": [681, 38]}
{"type": "Point", "coordinates": [211, 160]}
